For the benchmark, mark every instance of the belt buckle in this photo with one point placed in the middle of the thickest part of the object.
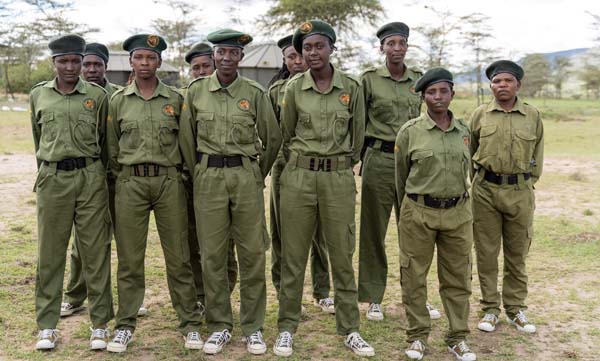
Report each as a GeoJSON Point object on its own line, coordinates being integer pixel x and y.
{"type": "Point", "coordinates": [226, 162]}
{"type": "Point", "coordinates": [70, 164]}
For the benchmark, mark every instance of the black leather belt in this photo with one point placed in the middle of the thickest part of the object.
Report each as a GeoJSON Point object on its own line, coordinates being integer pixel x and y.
{"type": "Point", "coordinates": [386, 147]}
{"type": "Point", "coordinates": [443, 203]}
{"type": "Point", "coordinates": [504, 178]}
{"type": "Point", "coordinates": [222, 161]}
{"type": "Point", "coordinates": [72, 163]}
{"type": "Point", "coordinates": [148, 170]}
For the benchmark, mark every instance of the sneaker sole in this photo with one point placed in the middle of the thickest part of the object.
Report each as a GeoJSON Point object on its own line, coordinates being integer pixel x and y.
{"type": "Point", "coordinates": [193, 346]}
{"type": "Point", "coordinates": [436, 316]}
{"type": "Point", "coordinates": [375, 318]}
{"type": "Point", "coordinates": [485, 328]}
{"type": "Point", "coordinates": [45, 347]}
{"type": "Point", "coordinates": [413, 358]}
{"type": "Point", "coordinates": [282, 353]}
{"type": "Point", "coordinates": [117, 349]}
{"type": "Point", "coordinates": [519, 328]}
{"type": "Point", "coordinates": [72, 311]}
{"type": "Point", "coordinates": [460, 358]}
{"type": "Point", "coordinates": [212, 352]}
{"type": "Point", "coordinates": [262, 351]}
{"type": "Point", "coordinates": [364, 353]}
{"type": "Point", "coordinates": [97, 347]}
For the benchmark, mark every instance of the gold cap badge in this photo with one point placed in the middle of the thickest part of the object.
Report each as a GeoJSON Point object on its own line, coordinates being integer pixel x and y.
{"type": "Point", "coordinates": [306, 28]}
{"type": "Point", "coordinates": [152, 41]}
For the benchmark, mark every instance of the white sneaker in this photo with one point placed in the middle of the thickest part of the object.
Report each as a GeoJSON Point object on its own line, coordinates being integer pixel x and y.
{"type": "Point", "coordinates": [326, 304]}
{"type": "Point", "coordinates": [488, 322]}
{"type": "Point", "coordinates": [521, 323]}
{"type": "Point", "coordinates": [120, 341]}
{"type": "Point", "coordinates": [375, 313]}
{"type": "Point", "coordinates": [255, 344]}
{"type": "Point", "coordinates": [462, 352]}
{"type": "Point", "coordinates": [416, 350]}
{"type": "Point", "coordinates": [193, 341]}
{"type": "Point", "coordinates": [47, 339]}
{"type": "Point", "coordinates": [358, 345]}
{"type": "Point", "coordinates": [216, 341]}
{"type": "Point", "coordinates": [283, 345]}
{"type": "Point", "coordinates": [434, 314]}
{"type": "Point", "coordinates": [99, 338]}
{"type": "Point", "coordinates": [67, 309]}
{"type": "Point", "coordinates": [142, 311]}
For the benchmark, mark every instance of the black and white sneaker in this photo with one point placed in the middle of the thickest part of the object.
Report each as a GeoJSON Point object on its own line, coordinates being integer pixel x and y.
{"type": "Point", "coordinates": [462, 352]}
{"type": "Point", "coordinates": [99, 338]}
{"type": "Point", "coordinates": [120, 341]}
{"type": "Point", "coordinates": [193, 341]}
{"type": "Point", "coordinates": [358, 345]}
{"type": "Point", "coordinates": [216, 341]}
{"type": "Point", "coordinates": [68, 309]}
{"type": "Point", "coordinates": [47, 339]}
{"type": "Point", "coordinates": [255, 344]}
{"type": "Point", "coordinates": [283, 345]}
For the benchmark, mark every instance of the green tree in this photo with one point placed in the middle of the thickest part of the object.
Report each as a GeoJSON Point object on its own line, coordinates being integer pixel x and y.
{"type": "Point", "coordinates": [590, 76]}
{"type": "Point", "coordinates": [438, 38]}
{"type": "Point", "coordinates": [560, 73]}
{"type": "Point", "coordinates": [537, 74]}
{"type": "Point", "coordinates": [345, 16]}
{"type": "Point", "coordinates": [476, 34]}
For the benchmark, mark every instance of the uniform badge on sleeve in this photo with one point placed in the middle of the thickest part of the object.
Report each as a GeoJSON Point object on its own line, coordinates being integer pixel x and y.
{"type": "Point", "coordinates": [244, 104]}
{"type": "Point", "coordinates": [467, 140]}
{"type": "Point", "coordinates": [89, 104]}
{"type": "Point", "coordinates": [345, 99]}
{"type": "Point", "coordinates": [168, 110]}
{"type": "Point", "coordinates": [396, 148]}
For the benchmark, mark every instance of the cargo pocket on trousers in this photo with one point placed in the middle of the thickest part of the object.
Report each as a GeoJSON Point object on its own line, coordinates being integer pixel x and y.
{"type": "Point", "coordinates": [405, 279]}
{"type": "Point", "coordinates": [351, 238]}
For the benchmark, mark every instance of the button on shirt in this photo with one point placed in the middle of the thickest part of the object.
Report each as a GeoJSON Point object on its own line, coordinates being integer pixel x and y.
{"type": "Point", "coordinates": [508, 142]}
{"type": "Point", "coordinates": [323, 123]}
{"type": "Point", "coordinates": [69, 125]}
{"type": "Point", "coordinates": [432, 161]}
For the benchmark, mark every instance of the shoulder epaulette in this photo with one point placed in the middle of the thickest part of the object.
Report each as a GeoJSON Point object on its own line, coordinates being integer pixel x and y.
{"type": "Point", "coordinates": [39, 84]}
{"type": "Point", "coordinates": [118, 91]}
{"type": "Point", "coordinates": [370, 69]}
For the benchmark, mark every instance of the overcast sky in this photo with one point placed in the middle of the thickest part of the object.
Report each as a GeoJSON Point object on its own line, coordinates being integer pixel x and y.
{"type": "Point", "coordinates": [520, 26]}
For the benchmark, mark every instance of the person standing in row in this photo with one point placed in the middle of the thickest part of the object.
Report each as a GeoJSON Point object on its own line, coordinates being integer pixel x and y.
{"type": "Point", "coordinates": [202, 64]}
{"type": "Point", "coordinates": [293, 64]}
{"type": "Point", "coordinates": [390, 101]}
{"type": "Point", "coordinates": [508, 155]}
{"type": "Point", "coordinates": [322, 120]}
{"type": "Point", "coordinates": [229, 139]}
{"type": "Point", "coordinates": [68, 119]}
{"type": "Point", "coordinates": [93, 70]}
{"type": "Point", "coordinates": [143, 123]}
{"type": "Point", "coordinates": [432, 182]}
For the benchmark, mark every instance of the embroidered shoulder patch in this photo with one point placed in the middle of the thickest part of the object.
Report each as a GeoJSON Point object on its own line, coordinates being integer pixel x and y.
{"type": "Point", "coordinates": [168, 110]}
{"type": "Point", "coordinates": [89, 104]}
{"type": "Point", "coordinates": [345, 98]}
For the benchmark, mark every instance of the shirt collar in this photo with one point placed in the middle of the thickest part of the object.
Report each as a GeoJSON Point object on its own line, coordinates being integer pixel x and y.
{"type": "Point", "coordinates": [385, 72]}
{"type": "Point", "coordinates": [430, 123]}
{"type": "Point", "coordinates": [308, 81]}
{"type": "Point", "coordinates": [518, 107]}
{"type": "Point", "coordinates": [161, 89]}
{"type": "Point", "coordinates": [79, 87]}
{"type": "Point", "coordinates": [215, 85]}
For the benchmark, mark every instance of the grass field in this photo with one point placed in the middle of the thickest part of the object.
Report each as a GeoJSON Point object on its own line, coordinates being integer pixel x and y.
{"type": "Point", "coordinates": [564, 268]}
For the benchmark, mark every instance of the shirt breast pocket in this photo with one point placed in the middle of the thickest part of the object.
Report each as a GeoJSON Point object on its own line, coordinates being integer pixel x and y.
{"type": "Point", "coordinates": [168, 130]}
{"type": "Point", "coordinates": [305, 127]}
{"type": "Point", "coordinates": [85, 130]}
{"type": "Point", "coordinates": [206, 127]}
{"type": "Point", "coordinates": [130, 135]}
{"type": "Point", "coordinates": [49, 131]}
{"type": "Point", "coordinates": [341, 127]}
{"type": "Point", "coordinates": [421, 163]}
{"type": "Point", "coordinates": [383, 111]}
{"type": "Point", "coordinates": [243, 130]}
{"type": "Point", "coordinates": [522, 148]}
{"type": "Point", "coordinates": [488, 142]}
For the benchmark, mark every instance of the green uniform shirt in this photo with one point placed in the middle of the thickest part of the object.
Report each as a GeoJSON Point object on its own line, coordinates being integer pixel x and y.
{"type": "Point", "coordinates": [68, 125]}
{"type": "Point", "coordinates": [144, 131]}
{"type": "Point", "coordinates": [111, 88]}
{"type": "Point", "coordinates": [233, 120]}
{"type": "Point", "coordinates": [508, 142]}
{"type": "Point", "coordinates": [432, 161]}
{"type": "Point", "coordinates": [323, 124]}
{"type": "Point", "coordinates": [390, 103]}
{"type": "Point", "coordinates": [276, 92]}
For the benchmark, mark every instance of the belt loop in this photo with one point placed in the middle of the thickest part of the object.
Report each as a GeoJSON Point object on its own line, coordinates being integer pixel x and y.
{"type": "Point", "coordinates": [125, 171]}
{"type": "Point", "coordinates": [293, 160]}
{"type": "Point", "coordinates": [204, 162]}
{"type": "Point", "coordinates": [52, 167]}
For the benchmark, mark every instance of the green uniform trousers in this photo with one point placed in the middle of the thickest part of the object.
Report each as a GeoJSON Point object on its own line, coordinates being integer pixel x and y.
{"type": "Point", "coordinates": [319, 265]}
{"type": "Point", "coordinates": [229, 204]}
{"type": "Point", "coordinates": [503, 217]}
{"type": "Point", "coordinates": [76, 292]}
{"type": "Point", "coordinates": [451, 231]}
{"type": "Point", "coordinates": [195, 258]}
{"type": "Point", "coordinates": [309, 198]}
{"type": "Point", "coordinates": [65, 199]}
{"type": "Point", "coordinates": [135, 198]}
{"type": "Point", "coordinates": [378, 197]}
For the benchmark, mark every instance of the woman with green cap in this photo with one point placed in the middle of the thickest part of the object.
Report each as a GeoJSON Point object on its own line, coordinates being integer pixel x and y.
{"type": "Point", "coordinates": [432, 171]}
{"type": "Point", "coordinates": [322, 121]}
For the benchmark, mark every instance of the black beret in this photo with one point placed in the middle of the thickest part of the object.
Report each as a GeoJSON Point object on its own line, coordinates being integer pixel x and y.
{"type": "Point", "coordinates": [229, 37]}
{"type": "Point", "coordinates": [395, 28]}
{"type": "Point", "coordinates": [198, 49]}
{"type": "Point", "coordinates": [285, 42]}
{"type": "Point", "coordinates": [312, 27]}
{"type": "Point", "coordinates": [145, 41]}
{"type": "Point", "coordinates": [66, 45]}
{"type": "Point", "coordinates": [504, 66]}
{"type": "Point", "coordinates": [100, 50]}
{"type": "Point", "coordinates": [433, 76]}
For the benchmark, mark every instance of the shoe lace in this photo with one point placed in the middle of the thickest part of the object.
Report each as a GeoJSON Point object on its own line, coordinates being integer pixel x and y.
{"type": "Point", "coordinates": [121, 336]}
{"type": "Point", "coordinates": [462, 346]}
{"type": "Point", "coordinates": [489, 317]}
{"type": "Point", "coordinates": [99, 332]}
{"type": "Point", "coordinates": [327, 302]}
{"type": "Point", "coordinates": [256, 338]}
{"type": "Point", "coordinates": [48, 333]}
{"type": "Point", "coordinates": [417, 346]}
{"type": "Point", "coordinates": [375, 307]}
{"type": "Point", "coordinates": [284, 340]}
{"type": "Point", "coordinates": [193, 336]}
{"type": "Point", "coordinates": [357, 342]}
{"type": "Point", "coordinates": [521, 317]}
{"type": "Point", "coordinates": [218, 338]}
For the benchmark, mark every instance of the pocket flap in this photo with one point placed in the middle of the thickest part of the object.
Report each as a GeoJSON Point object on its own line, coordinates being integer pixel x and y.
{"type": "Point", "coordinates": [171, 125]}
{"type": "Point", "coordinates": [206, 116]}
{"type": "Point", "coordinates": [46, 117]}
{"type": "Point", "coordinates": [242, 119]}
{"type": "Point", "coordinates": [87, 118]}
{"type": "Point", "coordinates": [342, 114]}
{"type": "Point", "coordinates": [488, 130]}
{"type": "Point", "coordinates": [304, 117]}
{"type": "Point", "coordinates": [421, 154]}
{"type": "Point", "coordinates": [525, 135]}
{"type": "Point", "coordinates": [125, 127]}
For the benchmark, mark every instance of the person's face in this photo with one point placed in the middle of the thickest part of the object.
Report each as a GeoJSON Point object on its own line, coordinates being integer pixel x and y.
{"type": "Point", "coordinates": [316, 50]}
{"type": "Point", "coordinates": [227, 59]}
{"type": "Point", "coordinates": [505, 86]}
{"type": "Point", "coordinates": [202, 65]}
{"type": "Point", "coordinates": [145, 63]}
{"type": "Point", "coordinates": [438, 96]}
{"type": "Point", "coordinates": [93, 69]}
{"type": "Point", "coordinates": [293, 61]}
{"type": "Point", "coordinates": [394, 48]}
{"type": "Point", "coordinates": [68, 68]}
